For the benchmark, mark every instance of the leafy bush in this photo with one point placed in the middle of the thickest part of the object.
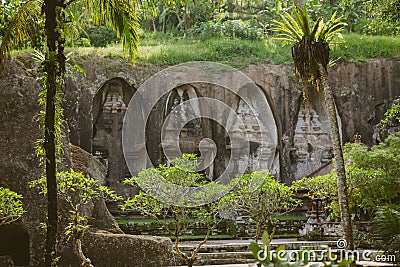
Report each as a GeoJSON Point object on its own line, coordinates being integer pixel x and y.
{"type": "Point", "coordinates": [387, 228]}
{"type": "Point", "coordinates": [230, 28]}
{"type": "Point", "coordinates": [392, 115]}
{"type": "Point", "coordinates": [76, 190]}
{"type": "Point", "coordinates": [100, 36]}
{"type": "Point", "coordinates": [261, 197]}
{"type": "Point", "coordinates": [10, 206]}
{"type": "Point", "coordinates": [371, 178]}
{"type": "Point", "coordinates": [181, 209]}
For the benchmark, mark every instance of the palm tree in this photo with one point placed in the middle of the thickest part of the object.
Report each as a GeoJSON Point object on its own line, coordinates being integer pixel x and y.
{"type": "Point", "coordinates": [310, 54]}
{"type": "Point", "coordinates": [120, 15]}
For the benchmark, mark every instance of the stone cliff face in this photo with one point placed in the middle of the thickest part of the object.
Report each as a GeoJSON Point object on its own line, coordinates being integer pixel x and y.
{"type": "Point", "coordinates": [363, 92]}
{"type": "Point", "coordinates": [25, 239]}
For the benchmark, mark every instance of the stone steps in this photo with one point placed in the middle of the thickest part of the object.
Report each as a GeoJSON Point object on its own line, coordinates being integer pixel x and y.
{"type": "Point", "coordinates": [238, 252]}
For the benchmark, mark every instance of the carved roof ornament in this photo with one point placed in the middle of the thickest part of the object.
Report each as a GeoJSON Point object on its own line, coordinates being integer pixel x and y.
{"type": "Point", "coordinates": [357, 138]}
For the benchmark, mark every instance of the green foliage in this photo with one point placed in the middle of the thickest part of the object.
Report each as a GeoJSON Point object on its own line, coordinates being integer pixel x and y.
{"type": "Point", "coordinates": [76, 190]}
{"type": "Point", "coordinates": [387, 228]}
{"type": "Point", "coordinates": [261, 197]}
{"type": "Point", "coordinates": [354, 11]}
{"type": "Point", "coordinates": [384, 17]}
{"type": "Point", "coordinates": [26, 26]}
{"type": "Point", "coordinates": [320, 187]}
{"type": "Point", "coordinates": [371, 178]}
{"type": "Point", "coordinates": [229, 28]}
{"type": "Point", "coordinates": [293, 29]}
{"type": "Point", "coordinates": [22, 26]}
{"type": "Point", "coordinates": [10, 206]}
{"type": "Point", "coordinates": [180, 173]}
{"type": "Point", "coordinates": [100, 36]}
{"type": "Point", "coordinates": [392, 115]}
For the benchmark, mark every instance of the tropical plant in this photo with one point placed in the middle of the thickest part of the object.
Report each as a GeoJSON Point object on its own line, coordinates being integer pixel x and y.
{"type": "Point", "coordinates": [184, 217]}
{"type": "Point", "coordinates": [10, 206]}
{"type": "Point", "coordinates": [372, 179]}
{"type": "Point", "coordinates": [261, 197]}
{"type": "Point", "coordinates": [387, 228]}
{"type": "Point", "coordinates": [119, 15]}
{"type": "Point", "coordinates": [77, 191]}
{"type": "Point", "coordinates": [392, 115]}
{"type": "Point", "coordinates": [310, 52]}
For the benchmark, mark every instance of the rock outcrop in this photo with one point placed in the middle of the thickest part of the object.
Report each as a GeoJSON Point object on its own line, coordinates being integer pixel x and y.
{"type": "Point", "coordinates": [19, 165]}
{"type": "Point", "coordinates": [363, 92]}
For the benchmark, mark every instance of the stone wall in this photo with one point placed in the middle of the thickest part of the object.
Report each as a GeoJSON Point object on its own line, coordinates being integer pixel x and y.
{"type": "Point", "coordinates": [25, 239]}
{"type": "Point", "coordinates": [362, 91]}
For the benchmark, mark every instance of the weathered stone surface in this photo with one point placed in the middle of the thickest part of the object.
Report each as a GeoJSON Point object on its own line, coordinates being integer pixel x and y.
{"type": "Point", "coordinates": [96, 211]}
{"type": "Point", "coordinates": [18, 161]}
{"type": "Point", "coordinates": [19, 164]}
{"type": "Point", "coordinates": [109, 250]}
{"type": "Point", "coordinates": [6, 261]}
{"type": "Point", "coordinates": [362, 91]}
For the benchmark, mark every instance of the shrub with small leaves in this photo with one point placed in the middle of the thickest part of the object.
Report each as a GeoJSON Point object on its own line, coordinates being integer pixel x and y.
{"type": "Point", "coordinates": [10, 206]}
{"type": "Point", "coordinates": [77, 190]}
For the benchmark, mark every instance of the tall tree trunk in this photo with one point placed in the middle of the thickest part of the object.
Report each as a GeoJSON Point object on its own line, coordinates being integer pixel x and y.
{"type": "Point", "coordinates": [339, 161]}
{"type": "Point", "coordinates": [53, 66]}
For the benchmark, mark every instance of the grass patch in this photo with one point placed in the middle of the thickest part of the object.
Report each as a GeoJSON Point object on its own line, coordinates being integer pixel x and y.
{"type": "Point", "coordinates": [201, 237]}
{"type": "Point", "coordinates": [166, 49]}
{"type": "Point", "coordinates": [358, 48]}
{"type": "Point", "coordinates": [169, 50]}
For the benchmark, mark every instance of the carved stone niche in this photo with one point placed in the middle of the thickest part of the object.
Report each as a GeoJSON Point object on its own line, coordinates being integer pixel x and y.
{"type": "Point", "coordinates": [194, 130]}
{"type": "Point", "coordinates": [109, 106]}
{"type": "Point", "coordinates": [312, 144]}
{"type": "Point", "coordinates": [261, 145]}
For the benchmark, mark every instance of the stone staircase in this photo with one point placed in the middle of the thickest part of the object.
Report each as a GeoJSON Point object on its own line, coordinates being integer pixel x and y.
{"type": "Point", "coordinates": [238, 251]}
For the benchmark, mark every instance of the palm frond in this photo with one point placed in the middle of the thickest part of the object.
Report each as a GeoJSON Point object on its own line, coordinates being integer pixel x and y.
{"type": "Point", "coordinates": [316, 26]}
{"type": "Point", "coordinates": [283, 31]}
{"type": "Point", "coordinates": [293, 29]}
{"type": "Point", "coordinates": [296, 26]}
{"type": "Point", "coordinates": [303, 18]}
{"type": "Point", "coordinates": [21, 28]}
{"type": "Point", "coordinates": [287, 28]}
{"type": "Point", "coordinates": [387, 223]}
{"type": "Point", "coordinates": [121, 16]}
